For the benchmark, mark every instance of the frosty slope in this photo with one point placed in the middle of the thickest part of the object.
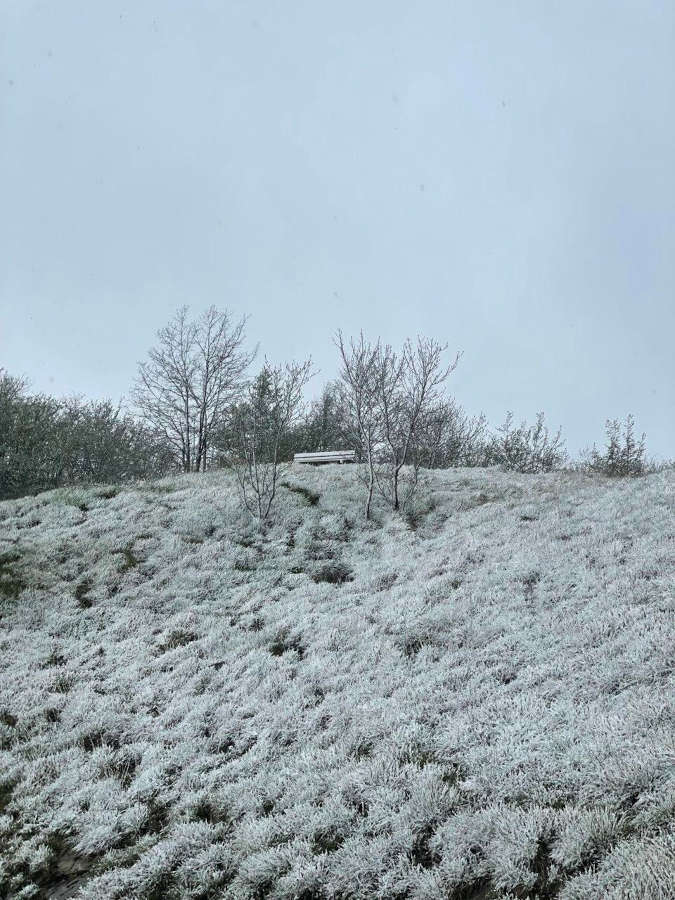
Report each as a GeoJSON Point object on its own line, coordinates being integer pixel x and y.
{"type": "Point", "coordinates": [474, 701]}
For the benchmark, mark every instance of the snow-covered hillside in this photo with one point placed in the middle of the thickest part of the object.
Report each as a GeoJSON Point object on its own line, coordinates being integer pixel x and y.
{"type": "Point", "coordinates": [476, 702]}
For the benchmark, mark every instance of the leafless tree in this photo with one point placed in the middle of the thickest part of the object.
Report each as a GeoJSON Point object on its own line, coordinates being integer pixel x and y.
{"type": "Point", "coordinates": [191, 377]}
{"type": "Point", "coordinates": [358, 382]}
{"type": "Point", "coordinates": [408, 398]}
{"type": "Point", "coordinates": [221, 363]}
{"type": "Point", "coordinates": [273, 403]}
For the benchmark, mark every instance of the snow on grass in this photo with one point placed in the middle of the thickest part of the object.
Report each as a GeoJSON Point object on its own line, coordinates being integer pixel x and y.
{"type": "Point", "coordinates": [472, 700]}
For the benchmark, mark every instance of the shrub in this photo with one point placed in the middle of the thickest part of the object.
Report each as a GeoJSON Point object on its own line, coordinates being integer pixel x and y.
{"type": "Point", "coordinates": [526, 449]}
{"type": "Point", "coordinates": [623, 456]}
{"type": "Point", "coordinates": [451, 438]}
{"type": "Point", "coordinates": [46, 443]}
{"type": "Point", "coordinates": [271, 406]}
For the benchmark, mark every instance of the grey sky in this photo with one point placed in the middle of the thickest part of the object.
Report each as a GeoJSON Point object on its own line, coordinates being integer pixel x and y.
{"type": "Point", "coordinates": [496, 174]}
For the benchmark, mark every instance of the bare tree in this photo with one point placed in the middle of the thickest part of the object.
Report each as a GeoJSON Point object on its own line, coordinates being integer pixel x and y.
{"type": "Point", "coordinates": [358, 381]}
{"type": "Point", "coordinates": [221, 364]}
{"type": "Point", "coordinates": [272, 405]}
{"type": "Point", "coordinates": [408, 396]}
{"type": "Point", "coordinates": [191, 377]}
{"type": "Point", "coordinates": [393, 401]}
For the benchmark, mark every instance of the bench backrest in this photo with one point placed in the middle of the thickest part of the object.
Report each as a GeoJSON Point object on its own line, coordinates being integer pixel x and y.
{"type": "Point", "coordinates": [325, 456]}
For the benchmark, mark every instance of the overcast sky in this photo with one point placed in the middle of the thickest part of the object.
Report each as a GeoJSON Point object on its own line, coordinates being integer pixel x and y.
{"type": "Point", "coordinates": [498, 175]}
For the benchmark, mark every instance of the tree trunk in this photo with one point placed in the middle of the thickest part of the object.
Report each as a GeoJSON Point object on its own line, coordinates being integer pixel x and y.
{"type": "Point", "coordinates": [188, 439]}
{"type": "Point", "coordinates": [371, 483]}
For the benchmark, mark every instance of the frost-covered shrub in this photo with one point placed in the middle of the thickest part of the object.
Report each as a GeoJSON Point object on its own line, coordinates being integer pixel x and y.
{"type": "Point", "coordinates": [526, 449]}
{"type": "Point", "coordinates": [501, 844]}
{"type": "Point", "coordinates": [452, 438]}
{"type": "Point", "coordinates": [640, 867]}
{"type": "Point", "coordinates": [261, 421]}
{"type": "Point", "coordinates": [585, 834]}
{"type": "Point", "coordinates": [623, 456]}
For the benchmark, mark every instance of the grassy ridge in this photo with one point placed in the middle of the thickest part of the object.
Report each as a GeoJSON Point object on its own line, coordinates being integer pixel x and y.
{"type": "Point", "coordinates": [474, 701]}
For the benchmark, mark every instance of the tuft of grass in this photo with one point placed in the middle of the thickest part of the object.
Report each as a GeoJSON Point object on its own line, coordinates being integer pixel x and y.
{"type": "Point", "coordinates": [12, 581]}
{"type": "Point", "coordinates": [154, 488]}
{"type": "Point", "coordinates": [82, 589]}
{"type": "Point", "coordinates": [478, 500]}
{"type": "Point", "coordinates": [421, 853]}
{"type": "Point", "coordinates": [411, 645]}
{"type": "Point", "coordinates": [548, 884]}
{"type": "Point", "coordinates": [362, 750]}
{"type": "Point", "coordinates": [282, 643]}
{"type": "Point", "coordinates": [207, 811]}
{"type": "Point", "coordinates": [62, 684]}
{"type": "Point", "coordinates": [326, 840]}
{"type": "Point", "coordinates": [107, 493]}
{"type": "Point", "coordinates": [454, 773]}
{"type": "Point", "coordinates": [7, 718]}
{"type": "Point", "coordinates": [413, 518]}
{"type": "Point", "coordinates": [414, 515]}
{"type": "Point", "coordinates": [131, 561]}
{"type": "Point", "coordinates": [54, 659]}
{"type": "Point", "coordinates": [177, 638]}
{"type": "Point", "coordinates": [92, 740]}
{"type": "Point", "coordinates": [385, 582]}
{"type": "Point", "coordinates": [530, 580]}
{"type": "Point", "coordinates": [6, 789]}
{"type": "Point", "coordinates": [72, 496]}
{"type": "Point", "coordinates": [157, 817]}
{"type": "Point", "coordinates": [333, 573]}
{"type": "Point", "coordinates": [245, 563]}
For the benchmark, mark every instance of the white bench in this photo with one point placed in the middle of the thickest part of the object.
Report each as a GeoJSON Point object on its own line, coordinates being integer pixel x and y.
{"type": "Point", "coordinates": [326, 456]}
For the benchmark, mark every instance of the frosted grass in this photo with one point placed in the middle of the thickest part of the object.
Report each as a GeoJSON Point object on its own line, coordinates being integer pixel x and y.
{"type": "Point", "coordinates": [475, 701]}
